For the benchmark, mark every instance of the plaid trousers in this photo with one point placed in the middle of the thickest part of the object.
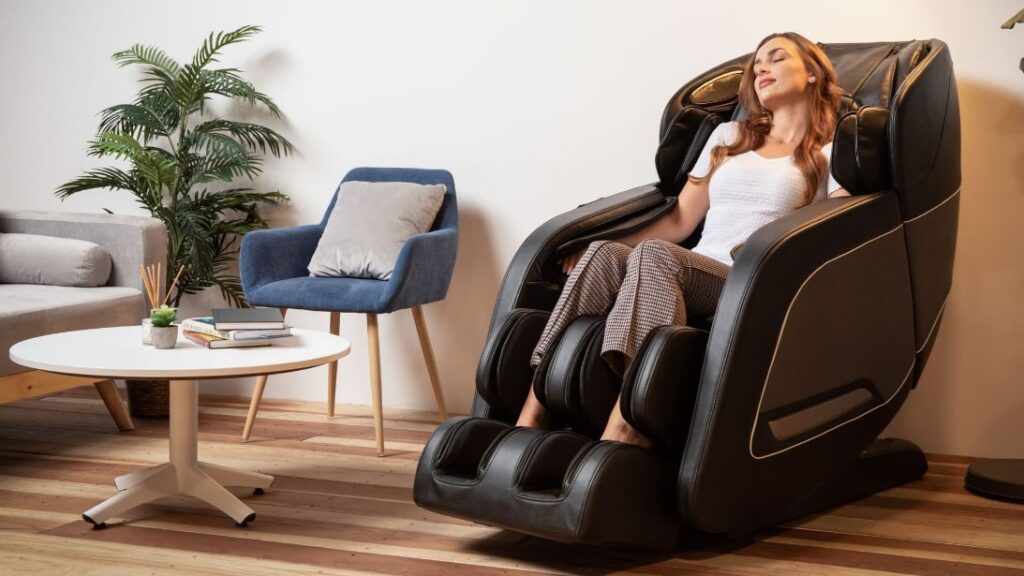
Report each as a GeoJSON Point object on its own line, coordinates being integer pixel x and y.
{"type": "Point", "coordinates": [657, 283]}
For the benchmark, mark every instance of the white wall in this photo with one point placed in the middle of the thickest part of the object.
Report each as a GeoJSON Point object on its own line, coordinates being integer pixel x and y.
{"type": "Point", "coordinates": [535, 107]}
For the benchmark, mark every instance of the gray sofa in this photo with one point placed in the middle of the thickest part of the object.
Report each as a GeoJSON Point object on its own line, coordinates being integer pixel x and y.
{"type": "Point", "coordinates": [33, 309]}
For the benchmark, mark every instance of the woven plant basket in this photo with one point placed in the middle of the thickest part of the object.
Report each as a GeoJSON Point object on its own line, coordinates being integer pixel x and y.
{"type": "Point", "coordinates": [148, 398]}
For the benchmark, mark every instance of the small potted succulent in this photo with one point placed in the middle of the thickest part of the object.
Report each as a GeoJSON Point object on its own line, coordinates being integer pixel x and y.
{"type": "Point", "coordinates": [164, 332]}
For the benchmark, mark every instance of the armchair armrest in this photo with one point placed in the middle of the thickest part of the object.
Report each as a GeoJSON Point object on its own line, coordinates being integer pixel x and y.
{"type": "Point", "coordinates": [276, 254]}
{"type": "Point", "coordinates": [423, 269]}
{"type": "Point", "coordinates": [807, 361]}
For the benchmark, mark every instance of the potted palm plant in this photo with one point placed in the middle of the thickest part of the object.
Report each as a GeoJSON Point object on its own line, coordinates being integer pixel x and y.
{"type": "Point", "coordinates": [183, 163]}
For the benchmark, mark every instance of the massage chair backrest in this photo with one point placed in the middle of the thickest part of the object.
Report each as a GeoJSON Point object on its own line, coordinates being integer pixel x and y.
{"type": "Point", "coordinates": [898, 131]}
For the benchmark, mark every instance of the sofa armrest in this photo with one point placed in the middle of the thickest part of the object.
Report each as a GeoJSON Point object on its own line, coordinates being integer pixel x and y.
{"type": "Point", "coordinates": [423, 269]}
{"type": "Point", "coordinates": [131, 241]}
{"type": "Point", "coordinates": [276, 254]}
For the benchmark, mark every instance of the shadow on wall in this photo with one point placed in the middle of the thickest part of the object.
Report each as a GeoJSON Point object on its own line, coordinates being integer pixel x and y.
{"type": "Point", "coordinates": [970, 399]}
{"type": "Point", "coordinates": [458, 324]}
{"type": "Point", "coordinates": [267, 69]}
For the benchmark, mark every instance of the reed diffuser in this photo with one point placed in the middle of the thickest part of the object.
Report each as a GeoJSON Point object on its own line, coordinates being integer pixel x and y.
{"type": "Point", "coordinates": [153, 282]}
{"type": "Point", "coordinates": [151, 398]}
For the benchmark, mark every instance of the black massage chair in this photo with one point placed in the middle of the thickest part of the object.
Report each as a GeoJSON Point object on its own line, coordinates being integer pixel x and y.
{"type": "Point", "coordinates": [772, 408]}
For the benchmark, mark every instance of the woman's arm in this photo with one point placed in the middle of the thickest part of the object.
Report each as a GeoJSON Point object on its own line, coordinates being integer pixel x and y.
{"type": "Point", "coordinates": [838, 192]}
{"type": "Point", "coordinates": [678, 224]}
{"type": "Point", "coordinates": [674, 226]}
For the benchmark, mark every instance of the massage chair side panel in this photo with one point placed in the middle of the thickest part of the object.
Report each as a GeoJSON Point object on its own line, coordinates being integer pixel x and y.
{"type": "Point", "coordinates": [820, 333]}
{"type": "Point", "coordinates": [902, 133]}
{"type": "Point", "coordinates": [810, 355]}
{"type": "Point", "coordinates": [925, 154]}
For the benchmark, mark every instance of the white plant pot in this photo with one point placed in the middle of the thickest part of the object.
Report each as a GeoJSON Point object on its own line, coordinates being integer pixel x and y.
{"type": "Point", "coordinates": [164, 336]}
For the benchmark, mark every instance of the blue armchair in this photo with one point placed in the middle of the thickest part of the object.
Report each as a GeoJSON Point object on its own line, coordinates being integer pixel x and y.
{"type": "Point", "coordinates": [273, 265]}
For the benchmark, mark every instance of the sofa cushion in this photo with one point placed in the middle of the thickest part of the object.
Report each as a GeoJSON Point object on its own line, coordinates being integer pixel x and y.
{"type": "Point", "coordinates": [29, 310]}
{"type": "Point", "coordinates": [51, 260]}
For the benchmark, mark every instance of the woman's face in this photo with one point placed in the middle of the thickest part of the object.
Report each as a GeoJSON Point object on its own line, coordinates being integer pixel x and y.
{"type": "Point", "coordinates": [779, 73]}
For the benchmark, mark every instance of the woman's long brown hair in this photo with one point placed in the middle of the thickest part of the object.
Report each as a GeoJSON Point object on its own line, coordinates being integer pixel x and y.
{"type": "Point", "coordinates": [823, 100]}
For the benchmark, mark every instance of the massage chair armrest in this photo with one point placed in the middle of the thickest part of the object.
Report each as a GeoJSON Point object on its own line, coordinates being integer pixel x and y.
{"type": "Point", "coordinates": [812, 339]}
{"type": "Point", "coordinates": [529, 291]}
{"type": "Point", "coordinates": [659, 389]}
{"type": "Point", "coordinates": [528, 282]}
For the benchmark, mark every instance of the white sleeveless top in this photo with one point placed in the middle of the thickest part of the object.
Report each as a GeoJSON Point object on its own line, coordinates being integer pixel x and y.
{"type": "Point", "coordinates": [747, 192]}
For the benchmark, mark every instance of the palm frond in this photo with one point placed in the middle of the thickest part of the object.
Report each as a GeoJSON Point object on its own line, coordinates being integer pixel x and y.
{"type": "Point", "coordinates": [110, 178]}
{"type": "Point", "coordinates": [149, 56]}
{"type": "Point", "coordinates": [161, 104]}
{"type": "Point", "coordinates": [137, 121]}
{"type": "Point", "coordinates": [214, 143]}
{"type": "Point", "coordinates": [122, 146]}
{"type": "Point", "coordinates": [215, 41]}
{"type": "Point", "coordinates": [254, 136]}
{"type": "Point", "coordinates": [227, 82]}
{"type": "Point", "coordinates": [155, 165]}
{"type": "Point", "coordinates": [189, 89]}
{"type": "Point", "coordinates": [226, 167]}
{"type": "Point", "coordinates": [231, 290]}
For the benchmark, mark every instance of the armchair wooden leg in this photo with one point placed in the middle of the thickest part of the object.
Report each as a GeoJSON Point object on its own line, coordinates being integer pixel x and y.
{"type": "Point", "coordinates": [108, 392]}
{"type": "Point", "coordinates": [428, 357]}
{"type": "Point", "coordinates": [254, 406]}
{"type": "Point", "coordinates": [332, 368]}
{"type": "Point", "coordinates": [378, 411]}
{"type": "Point", "coordinates": [257, 396]}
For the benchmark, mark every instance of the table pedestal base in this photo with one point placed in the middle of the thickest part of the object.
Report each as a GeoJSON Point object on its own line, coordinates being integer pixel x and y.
{"type": "Point", "coordinates": [184, 473]}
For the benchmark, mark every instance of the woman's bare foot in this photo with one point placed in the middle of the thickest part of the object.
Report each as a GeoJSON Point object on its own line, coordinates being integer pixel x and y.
{"type": "Point", "coordinates": [531, 422]}
{"type": "Point", "coordinates": [533, 414]}
{"type": "Point", "coordinates": [628, 434]}
{"type": "Point", "coordinates": [621, 431]}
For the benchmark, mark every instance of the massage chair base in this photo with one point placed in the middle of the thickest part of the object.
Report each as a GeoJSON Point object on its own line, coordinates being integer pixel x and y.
{"type": "Point", "coordinates": [567, 487]}
{"type": "Point", "coordinates": [886, 463]}
{"type": "Point", "coordinates": [559, 485]}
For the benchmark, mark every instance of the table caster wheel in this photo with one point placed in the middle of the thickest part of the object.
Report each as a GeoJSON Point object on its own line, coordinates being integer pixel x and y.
{"type": "Point", "coordinates": [258, 492]}
{"type": "Point", "coordinates": [244, 523]}
{"type": "Point", "coordinates": [95, 525]}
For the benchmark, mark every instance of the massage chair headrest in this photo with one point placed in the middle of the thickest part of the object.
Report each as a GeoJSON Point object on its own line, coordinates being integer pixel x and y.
{"type": "Point", "coordinates": [870, 74]}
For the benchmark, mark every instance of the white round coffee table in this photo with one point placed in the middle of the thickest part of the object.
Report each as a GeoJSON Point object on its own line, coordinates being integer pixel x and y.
{"type": "Point", "coordinates": [119, 353]}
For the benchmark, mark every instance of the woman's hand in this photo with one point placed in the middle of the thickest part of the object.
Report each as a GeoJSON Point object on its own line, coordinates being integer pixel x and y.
{"type": "Point", "coordinates": [569, 262]}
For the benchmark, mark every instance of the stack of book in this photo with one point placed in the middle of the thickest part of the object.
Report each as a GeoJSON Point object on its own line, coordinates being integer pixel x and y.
{"type": "Point", "coordinates": [237, 328]}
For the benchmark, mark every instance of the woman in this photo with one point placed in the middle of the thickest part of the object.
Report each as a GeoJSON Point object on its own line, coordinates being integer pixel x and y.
{"type": "Point", "coordinates": [749, 173]}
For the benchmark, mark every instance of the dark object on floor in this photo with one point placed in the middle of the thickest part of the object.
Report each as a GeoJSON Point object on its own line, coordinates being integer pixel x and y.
{"type": "Point", "coordinates": [1000, 479]}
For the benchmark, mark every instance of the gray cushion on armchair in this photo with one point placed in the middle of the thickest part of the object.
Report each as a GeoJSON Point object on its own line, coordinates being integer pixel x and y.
{"type": "Point", "coordinates": [369, 225]}
{"type": "Point", "coordinates": [273, 263]}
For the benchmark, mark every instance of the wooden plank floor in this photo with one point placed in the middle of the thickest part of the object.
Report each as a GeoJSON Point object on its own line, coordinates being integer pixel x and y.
{"type": "Point", "coordinates": [336, 508]}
